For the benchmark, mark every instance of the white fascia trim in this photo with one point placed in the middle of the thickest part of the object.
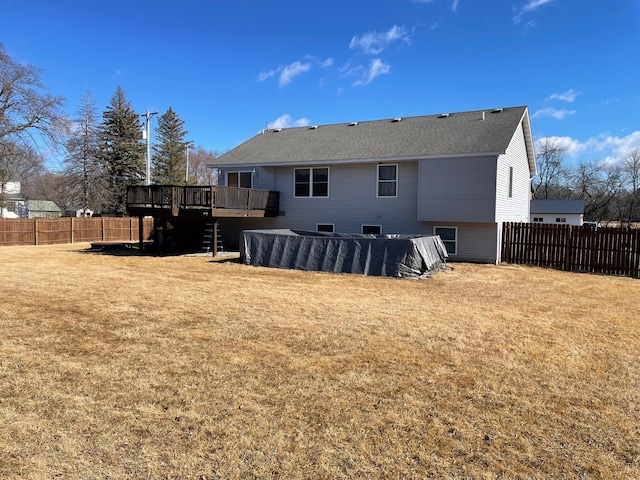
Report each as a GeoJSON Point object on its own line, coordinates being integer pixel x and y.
{"type": "Point", "coordinates": [357, 160]}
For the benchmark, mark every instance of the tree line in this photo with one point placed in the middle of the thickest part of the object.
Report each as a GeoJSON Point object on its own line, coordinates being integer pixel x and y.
{"type": "Point", "coordinates": [102, 155]}
{"type": "Point", "coordinates": [611, 191]}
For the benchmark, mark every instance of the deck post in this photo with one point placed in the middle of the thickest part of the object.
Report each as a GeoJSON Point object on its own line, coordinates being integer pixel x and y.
{"type": "Point", "coordinates": [140, 233]}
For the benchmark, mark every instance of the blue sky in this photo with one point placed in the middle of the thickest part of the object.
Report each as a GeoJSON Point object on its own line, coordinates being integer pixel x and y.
{"type": "Point", "coordinates": [231, 67]}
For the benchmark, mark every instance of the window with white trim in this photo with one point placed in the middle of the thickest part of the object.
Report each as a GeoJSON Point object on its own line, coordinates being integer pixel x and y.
{"type": "Point", "coordinates": [371, 229]}
{"type": "Point", "coordinates": [510, 182]}
{"type": "Point", "coordinates": [449, 236]}
{"type": "Point", "coordinates": [538, 219]}
{"type": "Point", "coordinates": [324, 227]}
{"type": "Point", "coordinates": [240, 179]}
{"type": "Point", "coordinates": [387, 181]}
{"type": "Point", "coordinates": [561, 220]}
{"type": "Point", "coordinates": [311, 182]}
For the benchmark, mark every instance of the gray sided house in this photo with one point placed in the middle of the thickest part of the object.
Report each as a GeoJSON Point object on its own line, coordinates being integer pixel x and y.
{"type": "Point", "coordinates": [458, 175]}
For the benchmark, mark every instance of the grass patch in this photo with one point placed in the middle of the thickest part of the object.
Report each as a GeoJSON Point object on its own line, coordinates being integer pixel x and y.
{"type": "Point", "coordinates": [188, 367]}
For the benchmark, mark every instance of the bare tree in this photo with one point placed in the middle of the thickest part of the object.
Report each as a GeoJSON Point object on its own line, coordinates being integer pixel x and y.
{"type": "Point", "coordinates": [552, 172]}
{"type": "Point", "coordinates": [52, 186]}
{"type": "Point", "coordinates": [199, 174]}
{"type": "Point", "coordinates": [598, 185]}
{"type": "Point", "coordinates": [631, 172]}
{"type": "Point", "coordinates": [29, 118]}
{"type": "Point", "coordinates": [83, 169]}
{"type": "Point", "coordinates": [18, 164]}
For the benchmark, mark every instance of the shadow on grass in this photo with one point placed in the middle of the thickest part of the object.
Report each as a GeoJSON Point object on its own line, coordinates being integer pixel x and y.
{"type": "Point", "coordinates": [127, 249]}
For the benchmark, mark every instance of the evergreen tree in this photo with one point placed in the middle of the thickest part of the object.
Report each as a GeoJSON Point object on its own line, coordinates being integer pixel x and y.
{"type": "Point", "coordinates": [169, 159]}
{"type": "Point", "coordinates": [83, 172]}
{"type": "Point", "coordinates": [121, 151]}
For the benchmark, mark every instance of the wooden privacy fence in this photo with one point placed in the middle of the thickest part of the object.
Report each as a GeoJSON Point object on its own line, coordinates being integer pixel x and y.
{"type": "Point", "coordinates": [612, 251]}
{"type": "Point", "coordinates": [49, 231]}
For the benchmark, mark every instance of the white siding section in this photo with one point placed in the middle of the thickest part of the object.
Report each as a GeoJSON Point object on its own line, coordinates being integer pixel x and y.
{"type": "Point", "coordinates": [570, 218]}
{"type": "Point", "coordinates": [457, 189]}
{"type": "Point", "coordinates": [516, 207]}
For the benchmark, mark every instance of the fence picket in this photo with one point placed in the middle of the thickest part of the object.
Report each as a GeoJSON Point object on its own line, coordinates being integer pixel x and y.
{"type": "Point", "coordinates": [49, 231]}
{"type": "Point", "coordinates": [612, 251]}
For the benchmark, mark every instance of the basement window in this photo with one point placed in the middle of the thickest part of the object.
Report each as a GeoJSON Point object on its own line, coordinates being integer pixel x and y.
{"type": "Point", "coordinates": [324, 227]}
{"type": "Point", "coordinates": [372, 229]}
{"type": "Point", "coordinates": [449, 236]}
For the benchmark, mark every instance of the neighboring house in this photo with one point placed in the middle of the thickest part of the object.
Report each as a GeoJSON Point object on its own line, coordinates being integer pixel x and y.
{"type": "Point", "coordinates": [458, 175]}
{"type": "Point", "coordinates": [12, 200]}
{"type": "Point", "coordinates": [78, 212]}
{"type": "Point", "coordinates": [569, 212]}
{"type": "Point", "coordinates": [41, 209]}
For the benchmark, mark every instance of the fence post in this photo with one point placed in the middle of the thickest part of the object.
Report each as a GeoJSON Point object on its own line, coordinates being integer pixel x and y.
{"type": "Point", "coordinates": [506, 241]}
{"type": "Point", "coordinates": [35, 230]}
{"type": "Point", "coordinates": [102, 225]}
{"type": "Point", "coordinates": [71, 235]}
{"type": "Point", "coordinates": [568, 250]}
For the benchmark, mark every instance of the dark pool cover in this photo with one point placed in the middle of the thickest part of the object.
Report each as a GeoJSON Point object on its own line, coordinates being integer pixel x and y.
{"type": "Point", "coordinates": [379, 255]}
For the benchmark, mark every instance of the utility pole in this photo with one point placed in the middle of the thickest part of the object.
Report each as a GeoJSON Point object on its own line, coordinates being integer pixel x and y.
{"type": "Point", "coordinates": [147, 134]}
{"type": "Point", "coordinates": [186, 173]}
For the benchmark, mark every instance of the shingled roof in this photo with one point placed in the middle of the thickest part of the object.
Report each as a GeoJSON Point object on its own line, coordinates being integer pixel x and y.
{"type": "Point", "coordinates": [455, 134]}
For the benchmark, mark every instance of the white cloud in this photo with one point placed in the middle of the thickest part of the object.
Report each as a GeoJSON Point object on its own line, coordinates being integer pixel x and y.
{"type": "Point", "coordinates": [553, 112]}
{"type": "Point", "coordinates": [286, 121]}
{"type": "Point", "coordinates": [327, 63]}
{"type": "Point", "coordinates": [376, 68]}
{"type": "Point", "coordinates": [454, 5]}
{"type": "Point", "coordinates": [608, 148]}
{"type": "Point", "coordinates": [292, 70]}
{"type": "Point", "coordinates": [530, 6]}
{"type": "Point", "coordinates": [265, 75]}
{"type": "Point", "coordinates": [569, 96]}
{"type": "Point", "coordinates": [288, 72]}
{"type": "Point", "coordinates": [375, 42]}
{"type": "Point", "coordinates": [421, 1]}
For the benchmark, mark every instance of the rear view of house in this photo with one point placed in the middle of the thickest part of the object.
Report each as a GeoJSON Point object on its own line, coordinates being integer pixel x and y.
{"type": "Point", "coordinates": [457, 175]}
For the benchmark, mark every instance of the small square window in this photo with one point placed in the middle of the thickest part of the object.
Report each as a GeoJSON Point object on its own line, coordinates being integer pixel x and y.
{"type": "Point", "coordinates": [561, 220]}
{"type": "Point", "coordinates": [538, 219]}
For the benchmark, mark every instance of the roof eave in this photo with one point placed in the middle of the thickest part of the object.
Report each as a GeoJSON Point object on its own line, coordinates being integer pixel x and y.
{"type": "Point", "coordinates": [355, 160]}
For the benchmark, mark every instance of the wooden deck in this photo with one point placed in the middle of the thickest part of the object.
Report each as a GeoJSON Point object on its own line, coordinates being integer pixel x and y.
{"type": "Point", "coordinates": [166, 201]}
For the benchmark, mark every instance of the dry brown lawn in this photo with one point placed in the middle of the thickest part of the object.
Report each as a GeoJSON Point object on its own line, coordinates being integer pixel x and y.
{"type": "Point", "coordinates": [135, 366]}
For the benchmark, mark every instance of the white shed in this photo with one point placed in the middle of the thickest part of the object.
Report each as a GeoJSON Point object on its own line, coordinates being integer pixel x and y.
{"type": "Point", "coordinates": [570, 212]}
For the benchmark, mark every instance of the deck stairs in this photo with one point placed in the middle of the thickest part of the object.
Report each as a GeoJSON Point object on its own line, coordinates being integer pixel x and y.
{"type": "Point", "coordinates": [208, 237]}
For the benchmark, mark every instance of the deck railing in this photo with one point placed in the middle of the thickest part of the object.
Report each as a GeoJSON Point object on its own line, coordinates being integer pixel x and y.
{"type": "Point", "coordinates": [179, 198]}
